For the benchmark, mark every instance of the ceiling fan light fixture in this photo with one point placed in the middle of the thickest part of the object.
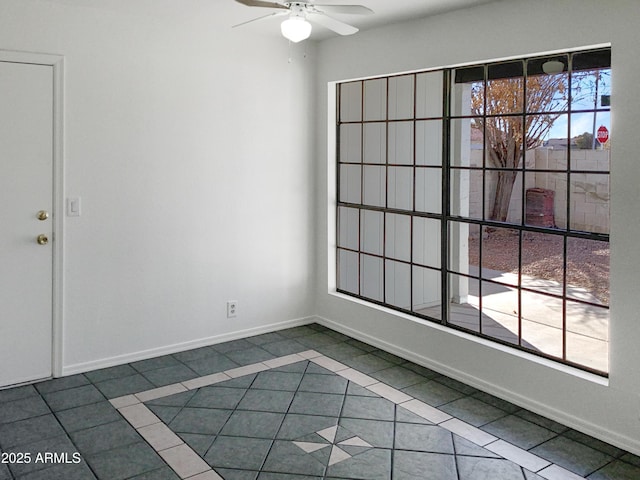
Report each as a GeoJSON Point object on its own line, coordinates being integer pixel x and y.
{"type": "Point", "coordinates": [296, 28]}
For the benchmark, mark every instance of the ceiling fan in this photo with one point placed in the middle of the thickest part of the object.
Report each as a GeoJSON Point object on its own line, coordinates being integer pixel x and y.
{"type": "Point", "coordinates": [297, 27]}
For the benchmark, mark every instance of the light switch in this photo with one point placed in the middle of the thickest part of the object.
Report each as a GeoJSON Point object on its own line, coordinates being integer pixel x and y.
{"type": "Point", "coordinates": [73, 207]}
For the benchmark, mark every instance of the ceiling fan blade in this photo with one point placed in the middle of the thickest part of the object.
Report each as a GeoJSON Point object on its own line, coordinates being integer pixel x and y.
{"type": "Point", "coordinates": [344, 9]}
{"type": "Point", "coordinates": [275, 14]}
{"type": "Point", "coordinates": [332, 24]}
{"type": "Point", "coordinates": [261, 3]}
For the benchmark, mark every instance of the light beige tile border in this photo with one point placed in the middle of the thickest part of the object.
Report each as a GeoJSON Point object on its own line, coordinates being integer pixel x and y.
{"type": "Point", "coordinates": [188, 465]}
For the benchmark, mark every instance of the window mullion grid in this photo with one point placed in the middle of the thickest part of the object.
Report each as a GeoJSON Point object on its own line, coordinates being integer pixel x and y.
{"type": "Point", "coordinates": [446, 197]}
{"type": "Point", "coordinates": [523, 196]}
{"type": "Point", "coordinates": [386, 197]}
{"type": "Point", "coordinates": [362, 98]}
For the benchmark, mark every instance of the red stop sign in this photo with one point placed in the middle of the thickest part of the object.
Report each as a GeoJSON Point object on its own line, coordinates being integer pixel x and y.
{"type": "Point", "coordinates": [603, 135]}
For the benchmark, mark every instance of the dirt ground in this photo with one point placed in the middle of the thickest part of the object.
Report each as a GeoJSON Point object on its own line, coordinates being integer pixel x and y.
{"type": "Point", "coordinates": [587, 260]}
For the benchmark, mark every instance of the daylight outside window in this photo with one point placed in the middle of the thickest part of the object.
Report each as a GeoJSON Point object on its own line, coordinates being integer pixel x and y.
{"type": "Point", "coordinates": [478, 197]}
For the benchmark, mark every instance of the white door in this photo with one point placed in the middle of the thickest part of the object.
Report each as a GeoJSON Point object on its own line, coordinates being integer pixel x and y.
{"type": "Point", "coordinates": [26, 237]}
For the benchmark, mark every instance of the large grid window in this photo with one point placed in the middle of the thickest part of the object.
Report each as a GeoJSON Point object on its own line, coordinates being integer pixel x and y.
{"type": "Point", "coordinates": [478, 197]}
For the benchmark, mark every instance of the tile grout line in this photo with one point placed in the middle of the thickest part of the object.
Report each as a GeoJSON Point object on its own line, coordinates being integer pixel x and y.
{"type": "Point", "coordinates": [132, 408]}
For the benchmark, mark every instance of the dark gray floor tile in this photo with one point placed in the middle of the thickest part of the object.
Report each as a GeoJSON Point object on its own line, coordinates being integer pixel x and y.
{"type": "Point", "coordinates": [105, 437]}
{"type": "Point", "coordinates": [399, 377]}
{"type": "Point", "coordinates": [61, 472]}
{"type": "Point", "coordinates": [284, 476]}
{"type": "Point", "coordinates": [177, 400]}
{"type": "Point", "coordinates": [405, 416]}
{"type": "Point", "coordinates": [465, 447]}
{"type": "Point", "coordinates": [199, 420]}
{"type": "Point", "coordinates": [195, 354]}
{"type": "Point", "coordinates": [88, 416]}
{"type": "Point", "coordinates": [368, 363]}
{"type": "Point", "coordinates": [631, 458]}
{"type": "Point", "coordinates": [250, 355]}
{"type": "Point", "coordinates": [310, 403]}
{"type": "Point", "coordinates": [118, 387]}
{"type": "Point", "coordinates": [211, 364]}
{"type": "Point", "coordinates": [617, 470]}
{"type": "Point", "coordinates": [5, 474]}
{"type": "Point", "coordinates": [232, 346]}
{"type": "Point", "coordinates": [238, 453]}
{"type": "Point", "coordinates": [285, 457]}
{"type": "Point", "coordinates": [318, 370]}
{"type": "Point", "coordinates": [164, 473]}
{"type": "Point", "coordinates": [593, 443]}
{"type": "Point", "coordinates": [284, 347]}
{"type": "Point", "coordinates": [370, 408]}
{"type": "Point", "coordinates": [59, 445]}
{"type": "Point", "coordinates": [420, 370]}
{"type": "Point", "coordinates": [169, 375]}
{"type": "Point", "coordinates": [312, 382]}
{"type": "Point", "coordinates": [198, 442]}
{"type": "Point", "coordinates": [271, 380]}
{"type": "Point", "coordinates": [73, 397]}
{"type": "Point", "coordinates": [472, 468]}
{"type": "Point", "coordinates": [389, 357]}
{"type": "Point", "coordinates": [317, 340]}
{"type": "Point", "coordinates": [473, 411]}
{"type": "Point", "coordinates": [296, 426]}
{"type": "Point", "coordinates": [253, 424]}
{"type": "Point", "coordinates": [341, 337]}
{"type": "Point", "coordinates": [375, 432]}
{"type": "Point", "coordinates": [164, 413]}
{"type": "Point", "coordinates": [266, 401]}
{"type": "Point", "coordinates": [125, 462]}
{"type": "Point", "coordinates": [456, 385]}
{"type": "Point", "coordinates": [374, 464]}
{"type": "Point", "coordinates": [573, 456]}
{"type": "Point", "coordinates": [155, 363]}
{"type": "Point", "coordinates": [298, 367]}
{"type": "Point", "coordinates": [423, 466]}
{"type": "Point", "coordinates": [17, 393]}
{"type": "Point", "coordinates": [358, 391]}
{"type": "Point", "coordinates": [233, 474]}
{"type": "Point", "coordinates": [361, 345]}
{"type": "Point", "coordinates": [296, 332]}
{"type": "Point", "coordinates": [518, 431]}
{"type": "Point", "coordinates": [241, 382]}
{"type": "Point", "coordinates": [497, 402]}
{"type": "Point", "coordinates": [340, 351]}
{"type": "Point", "coordinates": [423, 438]}
{"type": "Point", "coordinates": [32, 406]}
{"type": "Point", "coordinates": [217, 397]}
{"type": "Point", "coordinates": [265, 338]}
{"type": "Point", "coordinates": [542, 421]}
{"type": "Point", "coordinates": [433, 393]}
{"type": "Point", "coordinates": [28, 431]}
{"type": "Point", "coordinates": [63, 383]}
{"type": "Point", "coordinates": [110, 373]}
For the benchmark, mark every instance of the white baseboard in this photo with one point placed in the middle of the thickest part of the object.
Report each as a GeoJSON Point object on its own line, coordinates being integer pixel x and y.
{"type": "Point", "coordinates": [180, 347]}
{"type": "Point", "coordinates": [621, 441]}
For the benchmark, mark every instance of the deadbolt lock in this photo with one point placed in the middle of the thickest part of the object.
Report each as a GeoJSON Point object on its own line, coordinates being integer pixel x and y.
{"type": "Point", "coordinates": [43, 215]}
{"type": "Point", "coordinates": [42, 239]}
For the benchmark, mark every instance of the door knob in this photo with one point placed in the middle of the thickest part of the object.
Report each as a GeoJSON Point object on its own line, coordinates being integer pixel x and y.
{"type": "Point", "coordinates": [42, 239]}
{"type": "Point", "coordinates": [43, 215]}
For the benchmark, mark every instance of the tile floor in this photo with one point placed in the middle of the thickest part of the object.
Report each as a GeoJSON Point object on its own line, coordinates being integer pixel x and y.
{"type": "Point", "coordinates": [298, 404]}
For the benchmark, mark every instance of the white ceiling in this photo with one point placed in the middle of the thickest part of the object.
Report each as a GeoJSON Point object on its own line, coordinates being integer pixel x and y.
{"type": "Point", "coordinates": [385, 12]}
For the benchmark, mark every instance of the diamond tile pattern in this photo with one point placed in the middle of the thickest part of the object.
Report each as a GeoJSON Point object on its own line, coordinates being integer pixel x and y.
{"type": "Point", "coordinates": [346, 410]}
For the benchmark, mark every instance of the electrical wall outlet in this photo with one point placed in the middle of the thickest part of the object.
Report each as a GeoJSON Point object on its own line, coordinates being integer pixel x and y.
{"type": "Point", "coordinates": [232, 308]}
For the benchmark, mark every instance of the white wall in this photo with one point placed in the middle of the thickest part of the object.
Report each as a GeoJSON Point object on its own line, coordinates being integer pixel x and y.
{"type": "Point", "coordinates": [190, 144]}
{"type": "Point", "coordinates": [498, 30]}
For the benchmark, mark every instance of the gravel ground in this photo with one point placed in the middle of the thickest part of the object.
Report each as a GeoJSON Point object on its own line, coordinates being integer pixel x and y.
{"type": "Point", "coordinates": [587, 260]}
